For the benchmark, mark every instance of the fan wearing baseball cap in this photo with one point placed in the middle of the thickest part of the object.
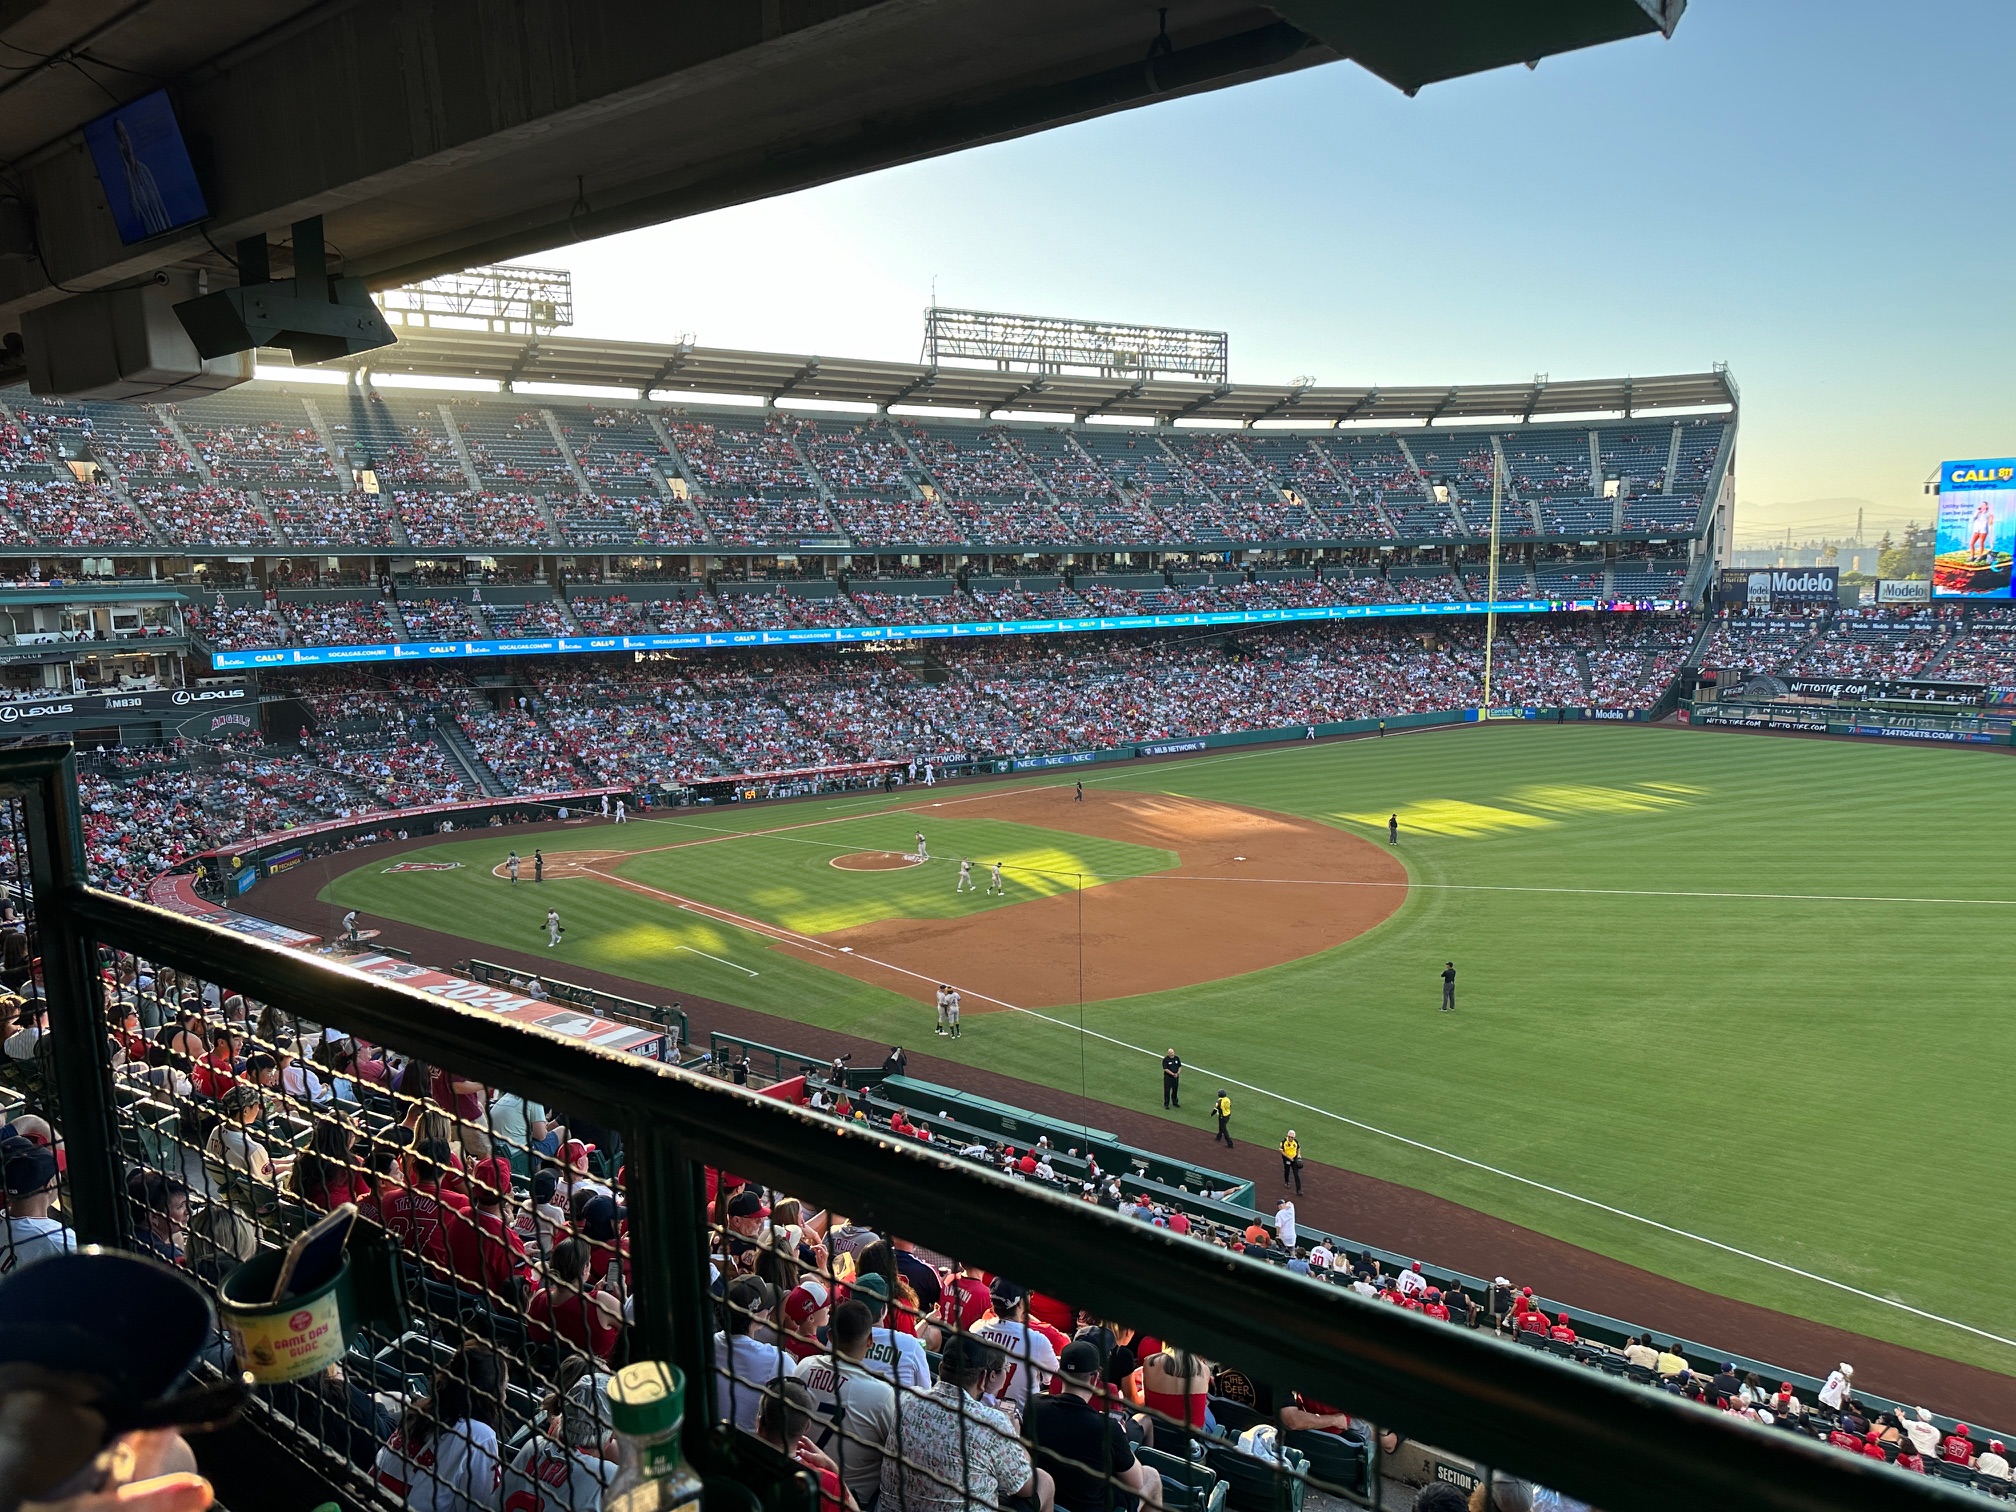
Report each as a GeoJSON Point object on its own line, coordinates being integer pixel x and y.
{"type": "Point", "coordinates": [892, 1354]}
{"type": "Point", "coordinates": [806, 1311]}
{"type": "Point", "coordinates": [32, 1234]}
{"type": "Point", "coordinates": [1031, 1357]}
{"type": "Point", "coordinates": [1995, 1461]}
{"type": "Point", "coordinates": [748, 1365]}
{"type": "Point", "coordinates": [1083, 1447]}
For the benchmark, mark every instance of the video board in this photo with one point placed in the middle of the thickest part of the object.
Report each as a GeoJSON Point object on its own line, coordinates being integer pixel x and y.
{"type": "Point", "coordinates": [1975, 539]}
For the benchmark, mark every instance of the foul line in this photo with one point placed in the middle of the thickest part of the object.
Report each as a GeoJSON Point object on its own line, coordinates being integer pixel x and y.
{"type": "Point", "coordinates": [792, 937]}
{"type": "Point", "coordinates": [1528, 1181]}
{"type": "Point", "coordinates": [1597, 892]}
{"type": "Point", "coordinates": [730, 964]}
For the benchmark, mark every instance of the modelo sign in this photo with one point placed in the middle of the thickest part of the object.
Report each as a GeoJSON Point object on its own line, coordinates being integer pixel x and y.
{"type": "Point", "coordinates": [1762, 587]}
{"type": "Point", "coordinates": [1903, 590]}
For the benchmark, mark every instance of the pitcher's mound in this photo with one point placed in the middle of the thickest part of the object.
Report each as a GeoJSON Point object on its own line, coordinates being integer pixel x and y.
{"type": "Point", "coordinates": [874, 861]}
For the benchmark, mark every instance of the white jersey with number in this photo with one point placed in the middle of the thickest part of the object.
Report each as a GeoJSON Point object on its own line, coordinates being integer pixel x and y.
{"type": "Point", "coordinates": [1029, 1354]}
{"type": "Point", "coordinates": [548, 1478]}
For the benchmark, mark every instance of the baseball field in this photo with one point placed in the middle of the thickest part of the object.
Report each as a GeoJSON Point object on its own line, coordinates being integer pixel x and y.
{"type": "Point", "coordinates": [1730, 1007]}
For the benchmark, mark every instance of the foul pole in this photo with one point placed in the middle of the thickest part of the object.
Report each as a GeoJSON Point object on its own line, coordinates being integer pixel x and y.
{"type": "Point", "coordinates": [1491, 581]}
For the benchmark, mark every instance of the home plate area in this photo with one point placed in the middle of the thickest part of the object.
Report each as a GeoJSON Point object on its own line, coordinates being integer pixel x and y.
{"type": "Point", "coordinates": [561, 865]}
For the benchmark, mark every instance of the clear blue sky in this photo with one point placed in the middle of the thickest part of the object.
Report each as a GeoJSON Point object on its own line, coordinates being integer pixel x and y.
{"type": "Point", "coordinates": [1818, 195]}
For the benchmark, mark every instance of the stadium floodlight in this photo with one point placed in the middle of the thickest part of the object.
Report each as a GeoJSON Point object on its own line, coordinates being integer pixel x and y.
{"type": "Point", "coordinates": [505, 297]}
{"type": "Point", "coordinates": [1051, 344]}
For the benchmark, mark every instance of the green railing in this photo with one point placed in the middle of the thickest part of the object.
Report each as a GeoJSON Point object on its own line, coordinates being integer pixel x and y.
{"type": "Point", "coordinates": [1615, 1445]}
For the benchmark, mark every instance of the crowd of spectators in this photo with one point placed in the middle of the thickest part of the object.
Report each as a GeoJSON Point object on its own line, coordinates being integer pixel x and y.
{"type": "Point", "coordinates": [461, 520]}
{"type": "Point", "coordinates": [53, 513]}
{"type": "Point", "coordinates": [258, 453]}
{"type": "Point", "coordinates": [443, 619]}
{"type": "Point", "coordinates": [640, 520]}
{"type": "Point", "coordinates": [616, 450]}
{"type": "Point", "coordinates": [329, 519]}
{"type": "Point", "coordinates": [206, 516]}
{"type": "Point", "coordinates": [518, 745]}
{"type": "Point", "coordinates": [896, 519]}
{"type": "Point", "coordinates": [781, 609]}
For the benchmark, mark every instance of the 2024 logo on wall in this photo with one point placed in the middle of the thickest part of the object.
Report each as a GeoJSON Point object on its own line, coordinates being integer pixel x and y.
{"type": "Point", "coordinates": [413, 866]}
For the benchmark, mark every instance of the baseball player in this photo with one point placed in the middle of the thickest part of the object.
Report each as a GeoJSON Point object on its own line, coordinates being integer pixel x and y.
{"type": "Point", "coordinates": [944, 1007]}
{"type": "Point", "coordinates": [952, 1010]}
{"type": "Point", "coordinates": [966, 882]}
{"type": "Point", "coordinates": [994, 883]}
{"type": "Point", "coordinates": [923, 854]}
{"type": "Point", "coordinates": [930, 774]}
{"type": "Point", "coordinates": [553, 928]}
{"type": "Point", "coordinates": [605, 805]}
{"type": "Point", "coordinates": [350, 926]}
{"type": "Point", "coordinates": [511, 866]}
{"type": "Point", "coordinates": [622, 812]}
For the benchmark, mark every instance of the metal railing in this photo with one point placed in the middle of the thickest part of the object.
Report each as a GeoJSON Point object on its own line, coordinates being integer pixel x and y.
{"type": "Point", "coordinates": [669, 1138]}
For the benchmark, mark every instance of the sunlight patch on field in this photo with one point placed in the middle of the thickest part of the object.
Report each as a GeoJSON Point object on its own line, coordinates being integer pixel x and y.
{"type": "Point", "coordinates": [1554, 798]}
{"type": "Point", "coordinates": [1453, 817]}
{"type": "Point", "coordinates": [928, 891]}
{"type": "Point", "coordinates": [653, 941]}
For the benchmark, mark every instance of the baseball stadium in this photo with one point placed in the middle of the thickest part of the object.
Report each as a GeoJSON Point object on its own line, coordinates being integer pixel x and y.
{"type": "Point", "coordinates": [1040, 927]}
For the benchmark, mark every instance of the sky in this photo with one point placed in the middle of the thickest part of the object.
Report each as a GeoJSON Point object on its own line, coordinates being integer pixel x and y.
{"type": "Point", "coordinates": [1816, 195]}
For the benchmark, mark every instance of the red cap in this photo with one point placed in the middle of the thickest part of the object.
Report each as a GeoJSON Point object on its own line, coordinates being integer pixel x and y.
{"type": "Point", "coordinates": [1564, 1320]}
{"type": "Point", "coordinates": [574, 1152]}
{"type": "Point", "coordinates": [806, 1298]}
{"type": "Point", "coordinates": [1960, 1430]}
{"type": "Point", "coordinates": [494, 1173]}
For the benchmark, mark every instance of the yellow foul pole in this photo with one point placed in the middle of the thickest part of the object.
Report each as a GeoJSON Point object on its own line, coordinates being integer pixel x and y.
{"type": "Point", "coordinates": [1491, 591]}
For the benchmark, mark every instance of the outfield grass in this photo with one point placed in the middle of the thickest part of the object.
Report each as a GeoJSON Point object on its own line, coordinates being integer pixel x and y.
{"type": "Point", "coordinates": [1804, 1067]}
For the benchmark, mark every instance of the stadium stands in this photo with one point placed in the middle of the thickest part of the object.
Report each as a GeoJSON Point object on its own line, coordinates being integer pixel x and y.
{"type": "Point", "coordinates": [513, 450]}
{"type": "Point", "coordinates": [254, 439]}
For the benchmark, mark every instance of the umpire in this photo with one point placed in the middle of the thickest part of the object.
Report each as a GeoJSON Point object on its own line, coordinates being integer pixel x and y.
{"type": "Point", "coordinates": [1172, 1067]}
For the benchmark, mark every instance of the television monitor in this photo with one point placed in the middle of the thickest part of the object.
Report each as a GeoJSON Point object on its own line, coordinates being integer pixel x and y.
{"type": "Point", "coordinates": [143, 164]}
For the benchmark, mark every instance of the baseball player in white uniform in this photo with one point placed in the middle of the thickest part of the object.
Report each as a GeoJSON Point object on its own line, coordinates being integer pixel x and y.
{"type": "Point", "coordinates": [923, 852]}
{"type": "Point", "coordinates": [994, 882]}
{"type": "Point", "coordinates": [605, 805]}
{"type": "Point", "coordinates": [944, 1007]}
{"type": "Point", "coordinates": [966, 882]}
{"type": "Point", "coordinates": [553, 929]}
{"type": "Point", "coordinates": [511, 866]}
{"type": "Point", "coordinates": [622, 812]}
{"type": "Point", "coordinates": [952, 1011]}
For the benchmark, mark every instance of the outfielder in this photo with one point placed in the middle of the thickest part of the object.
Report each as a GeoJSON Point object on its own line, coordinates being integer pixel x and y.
{"type": "Point", "coordinates": [966, 882]}
{"type": "Point", "coordinates": [994, 883]}
{"type": "Point", "coordinates": [553, 928]}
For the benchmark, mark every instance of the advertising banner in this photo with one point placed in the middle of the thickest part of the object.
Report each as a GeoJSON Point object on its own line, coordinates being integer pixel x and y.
{"type": "Point", "coordinates": [109, 705]}
{"type": "Point", "coordinates": [568, 645]}
{"type": "Point", "coordinates": [1903, 590]}
{"type": "Point", "coordinates": [1762, 587]}
{"type": "Point", "coordinates": [1976, 529]}
{"type": "Point", "coordinates": [1170, 747]}
{"type": "Point", "coordinates": [1854, 690]}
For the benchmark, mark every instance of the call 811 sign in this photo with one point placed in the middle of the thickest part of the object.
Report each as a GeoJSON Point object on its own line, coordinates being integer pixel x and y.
{"type": "Point", "coordinates": [1975, 539]}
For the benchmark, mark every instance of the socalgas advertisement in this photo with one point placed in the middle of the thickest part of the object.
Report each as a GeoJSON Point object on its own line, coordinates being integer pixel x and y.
{"type": "Point", "coordinates": [1977, 529]}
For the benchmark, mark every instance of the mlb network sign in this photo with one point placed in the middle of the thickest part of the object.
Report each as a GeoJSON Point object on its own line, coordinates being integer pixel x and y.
{"type": "Point", "coordinates": [1761, 587]}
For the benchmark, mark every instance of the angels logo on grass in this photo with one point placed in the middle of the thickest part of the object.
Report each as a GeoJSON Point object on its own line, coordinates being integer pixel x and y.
{"type": "Point", "coordinates": [413, 866]}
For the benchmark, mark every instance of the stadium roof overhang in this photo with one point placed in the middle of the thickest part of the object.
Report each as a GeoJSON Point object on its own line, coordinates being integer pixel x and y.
{"type": "Point", "coordinates": [435, 136]}
{"type": "Point", "coordinates": [673, 371]}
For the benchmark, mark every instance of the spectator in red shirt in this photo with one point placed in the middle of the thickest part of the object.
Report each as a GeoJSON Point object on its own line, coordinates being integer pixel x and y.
{"type": "Point", "coordinates": [485, 1252]}
{"type": "Point", "coordinates": [217, 1072]}
{"type": "Point", "coordinates": [416, 1214]}
{"type": "Point", "coordinates": [1532, 1320]}
{"type": "Point", "coordinates": [566, 1309]}
{"type": "Point", "coordinates": [1872, 1446]}
{"type": "Point", "coordinates": [465, 1100]}
{"type": "Point", "coordinates": [1433, 1306]}
{"type": "Point", "coordinates": [806, 1311]}
{"type": "Point", "coordinates": [1958, 1448]}
{"type": "Point", "coordinates": [326, 1175]}
{"type": "Point", "coordinates": [966, 1296]}
{"type": "Point", "coordinates": [1562, 1330]}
